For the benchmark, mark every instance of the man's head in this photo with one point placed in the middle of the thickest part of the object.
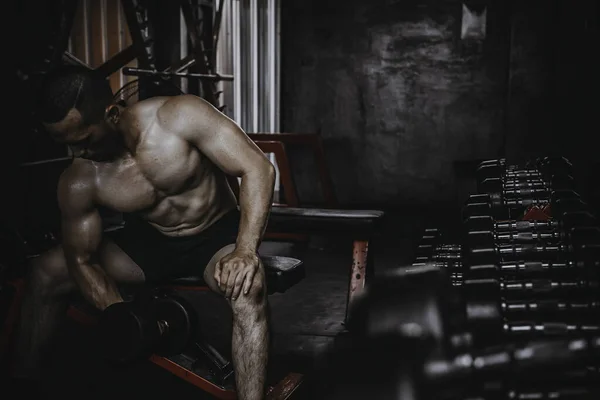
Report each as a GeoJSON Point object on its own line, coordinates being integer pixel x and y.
{"type": "Point", "coordinates": [74, 105]}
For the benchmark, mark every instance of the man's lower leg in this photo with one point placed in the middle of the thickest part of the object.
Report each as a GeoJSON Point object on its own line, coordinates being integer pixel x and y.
{"type": "Point", "coordinates": [250, 346]}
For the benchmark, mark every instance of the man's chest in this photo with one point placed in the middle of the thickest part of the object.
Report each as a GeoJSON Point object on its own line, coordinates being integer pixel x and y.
{"type": "Point", "coordinates": [155, 172]}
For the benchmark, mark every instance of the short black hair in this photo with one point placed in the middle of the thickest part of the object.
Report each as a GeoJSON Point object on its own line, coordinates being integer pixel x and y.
{"type": "Point", "coordinates": [72, 86]}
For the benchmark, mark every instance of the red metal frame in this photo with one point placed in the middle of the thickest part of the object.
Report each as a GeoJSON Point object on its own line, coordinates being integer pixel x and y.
{"type": "Point", "coordinates": [313, 141]}
{"type": "Point", "coordinates": [358, 272]}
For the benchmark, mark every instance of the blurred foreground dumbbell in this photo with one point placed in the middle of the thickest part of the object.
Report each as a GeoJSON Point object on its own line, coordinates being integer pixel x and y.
{"type": "Point", "coordinates": [407, 330]}
{"type": "Point", "coordinates": [542, 169]}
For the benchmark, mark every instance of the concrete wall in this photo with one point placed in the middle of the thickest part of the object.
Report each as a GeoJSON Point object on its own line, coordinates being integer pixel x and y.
{"type": "Point", "coordinates": [401, 102]}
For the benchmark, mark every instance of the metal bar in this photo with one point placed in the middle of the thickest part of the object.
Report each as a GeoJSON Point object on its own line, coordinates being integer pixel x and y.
{"type": "Point", "coordinates": [103, 30]}
{"type": "Point", "coordinates": [198, 51]}
{"type": "Point", "coordinates": [71, 59]}
{"type": "Point", "coordinates": [86, 31]}
{"type": "Point", "coordinates": [48, 161]}
{"type": "Point", "coordinates": [148, 72]}
{"type": "Point", "coordinates": [277, 61]}
{"type": "Point", "coordinates": [121, 38]}
{"type": "Point", "coordinates": [183, 64]}
{"type": "Point", "coordinates": [237, 62]}
{"type": "Point", "coordinates": [137, 34]}
{"type": "Point", "coordinates": [217, 24]}
{"type": "Point", "coordinates": [272, 55]}
{"type": "Point", "coordinates": [183, 52]}
{"type": "Point", "coordinates": [254, 79]}
{"type": "Point", "coordinates": [117, 61]}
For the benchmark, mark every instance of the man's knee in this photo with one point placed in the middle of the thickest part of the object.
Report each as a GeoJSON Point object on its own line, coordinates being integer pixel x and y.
{"type": "Point", "coordinates": [256, 296]}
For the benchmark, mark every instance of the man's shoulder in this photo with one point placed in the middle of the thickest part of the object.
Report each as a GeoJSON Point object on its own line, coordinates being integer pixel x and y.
{"type": "Point", "coordinates": [77, 179]}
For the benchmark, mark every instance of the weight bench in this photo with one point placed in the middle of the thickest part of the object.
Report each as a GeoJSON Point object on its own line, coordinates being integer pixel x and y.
{"type": "Point", "coordinates": [281, 274]}
{"type": "Point", "coordinates": [359, 226]}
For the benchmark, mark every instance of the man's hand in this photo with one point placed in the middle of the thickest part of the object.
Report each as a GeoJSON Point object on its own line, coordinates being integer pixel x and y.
{"type": "Point", "coordinates": [235, 271]}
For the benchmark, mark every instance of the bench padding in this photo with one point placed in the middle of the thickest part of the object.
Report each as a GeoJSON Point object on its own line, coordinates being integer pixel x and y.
{"type": "Point", "coordinates": [355, 223]}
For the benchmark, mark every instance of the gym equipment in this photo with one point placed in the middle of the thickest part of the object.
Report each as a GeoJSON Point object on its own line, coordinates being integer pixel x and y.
{"type": "Point", "coordinates": [520, 189]}
{"type": "Point", "coordinates": [161, 324]}
{"type": "Point", "coordinates": [562, 223]}
{"type": "Point", "coordinates": [542, 168]}
{"type": "Point", "coordinates": [501, 208]}
{"type": "Point", "coordinates": [583, 244]}
{"type": "Point", "coordinates": [411, 314]}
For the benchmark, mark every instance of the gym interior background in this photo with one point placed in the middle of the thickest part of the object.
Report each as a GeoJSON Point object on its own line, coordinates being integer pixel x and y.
{"type": "Point", "coordinates": [403, 99]}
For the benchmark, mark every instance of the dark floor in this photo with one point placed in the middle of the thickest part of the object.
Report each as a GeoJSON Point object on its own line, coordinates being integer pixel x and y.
{"type": "Point", "coordinates": [305, 319]}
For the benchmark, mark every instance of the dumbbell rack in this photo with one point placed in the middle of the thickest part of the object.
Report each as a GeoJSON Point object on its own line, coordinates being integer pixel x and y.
{"type": "Point", "coordinates": [526, 265]}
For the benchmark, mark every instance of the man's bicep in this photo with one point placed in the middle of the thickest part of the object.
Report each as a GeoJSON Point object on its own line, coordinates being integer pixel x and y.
{"type": "Point", "coordinates": [81, 224]}
{"type": "Point", "coordinates": [81, 234]}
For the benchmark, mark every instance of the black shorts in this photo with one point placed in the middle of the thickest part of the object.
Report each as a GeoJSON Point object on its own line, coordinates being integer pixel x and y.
{"type": "Point", "coordinates": [164, 257]}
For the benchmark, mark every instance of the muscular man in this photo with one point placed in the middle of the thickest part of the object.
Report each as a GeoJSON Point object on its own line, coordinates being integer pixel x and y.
{"type": "Point", "coordinates": [163, 162]}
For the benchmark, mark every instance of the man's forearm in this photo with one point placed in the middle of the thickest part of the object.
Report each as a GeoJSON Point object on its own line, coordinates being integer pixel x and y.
{"type": "Point", "coordinates": [95, 286]}
{"type": "Point", "coordinates": [256, 195]}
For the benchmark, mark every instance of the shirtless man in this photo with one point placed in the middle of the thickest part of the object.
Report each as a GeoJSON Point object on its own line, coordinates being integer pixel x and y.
{"type": "Point", "coordinates": [163, 162]}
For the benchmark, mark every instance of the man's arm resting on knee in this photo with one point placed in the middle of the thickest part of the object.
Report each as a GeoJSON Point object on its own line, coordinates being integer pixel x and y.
{"type": "Point", "coordinates": [81, 238]}
{"type": "Point", "coordinates": [229, 148]}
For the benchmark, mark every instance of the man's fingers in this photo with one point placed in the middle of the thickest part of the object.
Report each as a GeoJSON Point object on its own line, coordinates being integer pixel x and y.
{"type": "Point", "coordinates": [249, 279]}
{"type": "Point", "coordinates": [225, 272]}
{"type": "Point", "coordinates": [237, 286]}
{"type": "Point", "coordinates": [217, 274]}
{"type": "Point", "coordinates": [231, 281]}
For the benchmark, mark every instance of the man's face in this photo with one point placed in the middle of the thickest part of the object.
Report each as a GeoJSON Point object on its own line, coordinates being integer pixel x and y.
{"type": "Point", "coordinates": [85, 140]}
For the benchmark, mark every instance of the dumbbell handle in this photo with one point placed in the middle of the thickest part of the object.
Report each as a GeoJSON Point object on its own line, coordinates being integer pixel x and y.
{"type": "Point", "coordinates": [456, 248]}
{"type": "Point", "coordinates": [536, 266]}
{"type": "Point", "coordinates": [523, 249]}
{"type": "Point", "coordinates": [528, 237]}
{"type": "Point", "coordinates": [538, 356]}
{"type": "Point", "coordinates": [515, 225]}
{"type": "Point", "coordinates": [549, 306]}
{"type": "Point", "coordinates": [538, 286]}
{"type": "Point", "coordinates": [519, 250]}
{"type": "Point", "coordinates": [511, 184]}
{"type": "Point", "coordinates": [522, 173]}
{"type": "Point", "coordinates": [569, 392]}
{"type": "Point", "coordinates": [525, 202]}
{"type": "Point", "coordinates": [549, 328]}
{"type": "Point", "coordinates": [525, 192]}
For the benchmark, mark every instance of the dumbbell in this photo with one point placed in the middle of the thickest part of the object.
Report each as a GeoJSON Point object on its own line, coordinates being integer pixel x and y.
{"type": "Point", "coordinates": [157, 322]}
{"type": "Point", "coordinates": [426, 252]}
{"type": "Point", "coordinates": [401, 366]}
{"type": "Point", "coordinates": [414, 304]}
{"type": "Point", "coordinates": [589, 268]}
{"type": "Point", "coordinates": [479, 237]}
{"type": "Point", "coordinates": [492, 300]}
{"type": "Point", "coordinates": [564, 222]}
{"type": "Point", "coordinates": [541, 169]}
{"type": "Point", "coordinates": [502, 208]}
{"type": "Point", "coordinates": [526, 189]}
{"type": "Point", "coordinates": [583, 244]}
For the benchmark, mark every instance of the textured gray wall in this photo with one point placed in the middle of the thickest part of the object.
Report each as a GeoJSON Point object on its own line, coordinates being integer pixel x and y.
{"type": "Point", "coordinates": [401, 102]}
